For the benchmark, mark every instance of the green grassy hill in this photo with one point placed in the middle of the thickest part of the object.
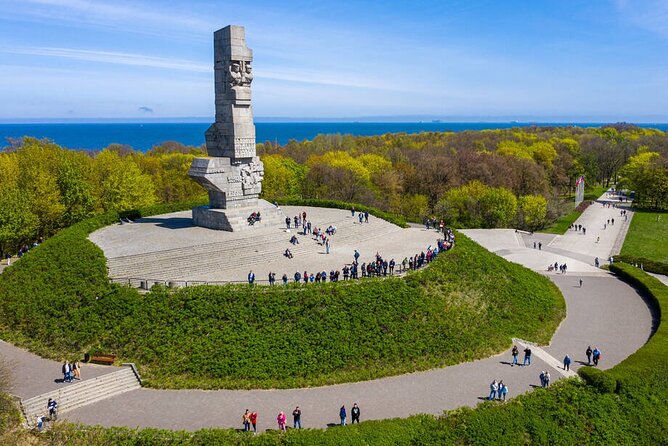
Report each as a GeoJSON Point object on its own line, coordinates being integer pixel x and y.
{"type": "Point", "coordinates": [467, 304]}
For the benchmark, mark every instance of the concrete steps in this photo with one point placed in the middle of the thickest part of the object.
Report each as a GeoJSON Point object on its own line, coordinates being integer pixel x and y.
{"type": "Point", "coordinates": [78, 394]}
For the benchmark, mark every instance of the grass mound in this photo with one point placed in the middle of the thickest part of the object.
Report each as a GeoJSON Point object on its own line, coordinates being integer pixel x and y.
{"type": "Point", "coordinates": [467, 304]}
{"type": "Point", "coordinates": [646, 242]}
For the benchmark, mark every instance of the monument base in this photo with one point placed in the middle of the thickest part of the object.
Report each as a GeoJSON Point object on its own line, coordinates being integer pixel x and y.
{"type": "Point", "coordinates": [236, 219]}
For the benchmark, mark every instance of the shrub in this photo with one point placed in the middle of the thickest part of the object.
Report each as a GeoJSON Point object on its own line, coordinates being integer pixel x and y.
{"type": "Point", "coordinates": [598, 379]}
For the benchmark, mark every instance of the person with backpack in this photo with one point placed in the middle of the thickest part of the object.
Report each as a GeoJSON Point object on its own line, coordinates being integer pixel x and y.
{"type": "Point", "coordinates": [52, 407]}
{"type": "Point", "coordinates": [567, 362]}
{"type": "Point", "coordinates": [596, 355]}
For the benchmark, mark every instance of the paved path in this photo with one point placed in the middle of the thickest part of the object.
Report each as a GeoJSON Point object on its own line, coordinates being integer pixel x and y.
{"type": "Point", "coordinates": [604, 312]}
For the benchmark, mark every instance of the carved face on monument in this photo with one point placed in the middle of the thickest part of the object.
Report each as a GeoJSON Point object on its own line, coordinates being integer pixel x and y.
{"type": "Point", "coordinates": [235, 76]}
{"type": "Point", "coordinates": [248, 74]}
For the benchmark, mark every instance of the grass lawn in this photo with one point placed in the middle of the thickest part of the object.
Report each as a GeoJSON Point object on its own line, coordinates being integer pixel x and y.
{"type": "Point", "coordinates": [648, 236]}
{"type": "Point", "coordinates": [561, 225]}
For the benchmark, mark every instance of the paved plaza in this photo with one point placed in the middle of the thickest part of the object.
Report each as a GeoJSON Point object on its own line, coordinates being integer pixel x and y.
{"type": "Point", "coordinates": [170, 248]}
{"type": "Point", "coordinates": [605, 313]}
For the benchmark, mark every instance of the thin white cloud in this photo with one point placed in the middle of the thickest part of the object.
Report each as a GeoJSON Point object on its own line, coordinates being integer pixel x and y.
{"type": "Point", "coordinates": [651, 15]}
{"type": "Point", "coordinates": [141, 60]}
{"type": "Point", "coordinates": [111, 57]}
{"type": "Point", "coordinates": [105, 12]}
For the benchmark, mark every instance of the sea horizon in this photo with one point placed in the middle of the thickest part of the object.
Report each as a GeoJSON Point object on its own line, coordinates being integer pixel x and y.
{"type": "Point", "coordinates": [143, 135]}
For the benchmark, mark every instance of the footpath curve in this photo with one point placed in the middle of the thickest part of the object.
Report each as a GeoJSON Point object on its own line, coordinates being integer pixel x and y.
{"type": "Point", "coordinates": [604, 312]}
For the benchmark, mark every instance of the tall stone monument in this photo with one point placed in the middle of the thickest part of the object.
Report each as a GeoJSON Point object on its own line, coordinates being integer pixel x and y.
{"type": "Point", "coordinates": [232, 173]}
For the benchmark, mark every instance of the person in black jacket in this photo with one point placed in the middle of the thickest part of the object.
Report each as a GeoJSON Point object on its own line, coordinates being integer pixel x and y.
{"type": "Point", "coordinates": [355, 413]}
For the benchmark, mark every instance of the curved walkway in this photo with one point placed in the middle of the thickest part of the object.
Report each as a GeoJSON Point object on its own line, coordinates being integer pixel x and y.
{"type": "Point", "coordinates": [604, 312]}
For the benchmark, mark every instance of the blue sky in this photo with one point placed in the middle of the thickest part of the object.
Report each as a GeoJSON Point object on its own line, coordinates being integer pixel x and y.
{"type": "Point", "coordinates": [596, 60]}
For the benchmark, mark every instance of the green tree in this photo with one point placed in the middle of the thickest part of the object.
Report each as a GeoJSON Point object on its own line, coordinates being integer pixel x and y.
{"type": "Point", "coordinates": [498, 207]}
{"type": "Point", "coordinates": [532, 210]}
{"type": "Point", "coordinates": [18, 224]}
{"type": "Point", "coordinates": [121, 183]}
{"type": "Point", "coordinates": [283, 177]}
{"type": "Point", "coordinates": [76, 189]}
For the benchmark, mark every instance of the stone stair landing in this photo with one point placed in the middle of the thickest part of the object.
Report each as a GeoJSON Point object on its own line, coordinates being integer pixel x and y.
{"type": "Point", "coordinates": [77, 394]}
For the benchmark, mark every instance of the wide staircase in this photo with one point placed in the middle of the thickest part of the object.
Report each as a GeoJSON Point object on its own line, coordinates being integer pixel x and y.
{"type": "Point", "coordinates": [77, 394]}
{"type": "Point", "coordinates": [260, 247]}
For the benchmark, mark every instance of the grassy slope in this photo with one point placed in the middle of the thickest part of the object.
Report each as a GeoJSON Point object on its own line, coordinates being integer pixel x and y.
{"type": "Point", "coordinates": [648, 236]}
{"type": "Point", "coordinates": [467, 304]}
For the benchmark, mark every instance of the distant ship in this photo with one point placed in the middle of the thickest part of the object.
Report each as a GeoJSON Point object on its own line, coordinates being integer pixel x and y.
{"type": "Point", "coordinates": [435, 120]}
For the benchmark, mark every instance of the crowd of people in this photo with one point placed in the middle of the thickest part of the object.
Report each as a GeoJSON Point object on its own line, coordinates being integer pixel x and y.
{"type": "Point", "coordinates": [249, 419]}
{"type": "Point", "coordinates": [378, 267]}
{"type": "Point", "coordinates": [498, 390]}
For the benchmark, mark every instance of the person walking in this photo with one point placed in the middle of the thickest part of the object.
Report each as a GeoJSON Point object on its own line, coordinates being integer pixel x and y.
{"type": "Point", "coordinates": [245, 419]}
{"type": "Point", "coordinates": [515, 352]}
{"type": "Point", "coordinates": [281, 421]}
{"type": "Point", "coordinates": [588, 352]}
{"type": "Point", "coordinates": [504, 392]}
{"type": "Point", "coordinates": [253, 420]}
{"type": "Point", "coordinates": [297, 418]}
{"type": "Point", "coordinates": [327, 246]}
{"type": "Point", "coordinates": [596, 355]}
{"type": "Point", "coordinates": [251, 277]}
{"type": "Point", "coordinates": [542, 378]}
{"type": "Point", "coordinates": [52, 407]}
{"type": "Point", "coordinates": [493, 388]}
{"type": "Point", "coordinates": [580, 283]}
{"type": "Point", "coordinates": [500, 391]}
{"type": "Point", "coordinates": [355, 413]}
{"type": "Point", "coordinates": [342, 411]}
{"type": "Point", "coordinates": [547, 379]}
{"type": "Point", "coordinates": [527, 356]}
{"type": "Point", "coordinates": [567, 362]}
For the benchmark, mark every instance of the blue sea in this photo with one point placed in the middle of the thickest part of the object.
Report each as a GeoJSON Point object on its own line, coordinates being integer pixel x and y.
{"type": "Point", "coordinates": [142, 137]}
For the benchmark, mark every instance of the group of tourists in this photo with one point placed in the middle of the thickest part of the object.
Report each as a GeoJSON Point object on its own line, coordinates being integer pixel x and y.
{"type": "Point", "coordinates": [556, 267]}
{"type": "Point", "coordinates": [249, 419]}
{"type": "Point", "coordinates": [497, 390]}
{"type": "Point", "coordinates": [593, 355]}
{"type": "Point", "coordinates": [71, 371]}
{"type": "Point", "coordinates": [52, 410]}
{"type": "Point", "coordinates": [363, 217]}
{"type": "Point", "coordinates": [579, 228]}
{"type": "Point", "coordinates": [320, 235]}
{"type": "Point", "coordinates": [22, 251]}
{"type": "Point", "coordinates": [544, 379]}
{"type": "Point", "coordinates": [434, 223]}
{"type": "Point", "coordinates": [253, 218]}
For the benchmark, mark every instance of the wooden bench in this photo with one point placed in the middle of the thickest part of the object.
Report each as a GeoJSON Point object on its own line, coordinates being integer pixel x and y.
{"type": "Point", "coordinates": [103, 359]}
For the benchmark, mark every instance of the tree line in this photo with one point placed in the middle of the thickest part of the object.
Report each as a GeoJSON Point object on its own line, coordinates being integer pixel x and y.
{"type": "Point", "coordinates": [491, 178]}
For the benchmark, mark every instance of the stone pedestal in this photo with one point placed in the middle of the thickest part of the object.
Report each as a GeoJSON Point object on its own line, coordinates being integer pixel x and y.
{"type": "Point", "coordinates": [236, 219]}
